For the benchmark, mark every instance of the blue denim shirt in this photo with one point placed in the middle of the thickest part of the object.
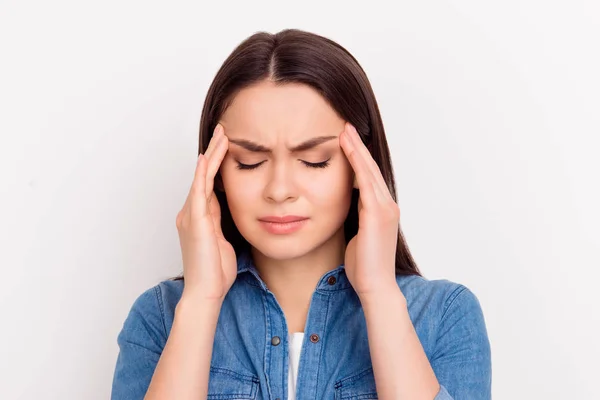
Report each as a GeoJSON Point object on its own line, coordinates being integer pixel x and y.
{"type": "Point", "coordinates": [250, 356]}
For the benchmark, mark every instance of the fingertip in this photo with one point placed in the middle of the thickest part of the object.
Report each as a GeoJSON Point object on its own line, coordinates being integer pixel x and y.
{"type": "Point", "coordinates": [345, 131]}
{"type": "Point", "coordinates": [223, 144]}
{"type": "Point", "coordinates": [344, 138]}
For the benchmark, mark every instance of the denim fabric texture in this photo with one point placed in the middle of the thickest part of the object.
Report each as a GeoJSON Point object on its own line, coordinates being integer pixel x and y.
{"type": "Point", "coordinates": [250, 356]}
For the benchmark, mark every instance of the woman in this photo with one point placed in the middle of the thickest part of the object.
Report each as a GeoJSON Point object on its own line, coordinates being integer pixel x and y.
{"type": "Point", "coordinates": [298, 281]}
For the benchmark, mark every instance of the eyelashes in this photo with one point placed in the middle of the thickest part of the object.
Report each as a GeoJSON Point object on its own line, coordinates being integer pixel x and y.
{"type": "Point", "coordinates": [248, 166]}
{"type": "Point", "coordinates": [322, 164]}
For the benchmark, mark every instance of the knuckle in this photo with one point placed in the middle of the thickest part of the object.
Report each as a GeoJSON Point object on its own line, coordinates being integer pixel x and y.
{"type": "Point", "coordinates": [388, 212]}
{"type": "Point", "coordinates": [185, 222]}
{"type": "Point", "coordinates": [393, 211]}
{"type": "Point", "coordinates": [197, 211]}
{"type": "Point", "coordinates": [181, 217]}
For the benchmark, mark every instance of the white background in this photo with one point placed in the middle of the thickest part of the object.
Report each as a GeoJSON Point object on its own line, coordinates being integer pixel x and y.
{"type": "Point", "coordinates": [491, 111]}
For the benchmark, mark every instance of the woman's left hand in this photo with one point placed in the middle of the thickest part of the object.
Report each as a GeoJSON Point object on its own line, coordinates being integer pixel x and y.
{"type": "Point", "coordinates": [370, 258]}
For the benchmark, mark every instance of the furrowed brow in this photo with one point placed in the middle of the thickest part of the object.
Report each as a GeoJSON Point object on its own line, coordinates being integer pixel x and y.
{"type": "Point", "coordinates": [258, 148]}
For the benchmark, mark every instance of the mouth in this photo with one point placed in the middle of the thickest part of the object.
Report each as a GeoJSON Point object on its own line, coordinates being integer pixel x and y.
{"type": "Point", "coordinates": [283, 219]}
{"type": "Point", "coordinates": [282, 225]}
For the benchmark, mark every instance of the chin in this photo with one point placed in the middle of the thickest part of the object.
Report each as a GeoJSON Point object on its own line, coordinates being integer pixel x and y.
{"type": "Point", "coordinates": [277, 249]}
{"type": "Point", "coordinates": [287, 247]}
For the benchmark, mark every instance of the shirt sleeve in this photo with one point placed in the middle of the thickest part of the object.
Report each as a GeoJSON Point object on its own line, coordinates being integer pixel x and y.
{"type": "Point", "coordinates": [141, 341]}
{"type": "Point", "coordinates": [462, 357]}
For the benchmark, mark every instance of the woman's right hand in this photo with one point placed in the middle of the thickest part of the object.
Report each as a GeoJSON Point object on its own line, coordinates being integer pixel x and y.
{"type": "Point", "coordinates": [209, 261]}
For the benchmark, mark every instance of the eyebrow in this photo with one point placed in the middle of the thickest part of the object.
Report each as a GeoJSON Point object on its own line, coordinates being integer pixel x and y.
{"type": "Point", "coordinates": [259, 148]}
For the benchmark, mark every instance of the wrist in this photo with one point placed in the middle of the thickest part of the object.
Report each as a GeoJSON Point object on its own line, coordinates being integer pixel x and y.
{"type": "Point", "coordinates": [383, 297]}
{"type": "Point", "coordinates": [195, 303]}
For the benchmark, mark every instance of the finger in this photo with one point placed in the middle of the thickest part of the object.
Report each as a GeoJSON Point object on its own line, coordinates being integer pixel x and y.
{"type": "Point", "coordinates": [206, 154]}
{"type": "Point", "coordinates": [213, 140]}
{"type": "Point", "coordinates": [365, 185]}
{"type": "Point", "coordinates": [197, 199]}
{"type": "Point", "coordinates": [191, 191]}
{"type": "Point", "coordinates": [379, 183]}
{"type": "Point", "coordinates": [377, 179]}
{"type": "Point", "coordinates": [214, 162]}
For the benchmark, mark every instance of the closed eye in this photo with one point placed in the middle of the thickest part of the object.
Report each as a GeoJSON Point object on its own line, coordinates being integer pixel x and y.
{"type": "Point", "coordinates": [322, 164]}
{"type": "Point", "coordinates": [248, 166]}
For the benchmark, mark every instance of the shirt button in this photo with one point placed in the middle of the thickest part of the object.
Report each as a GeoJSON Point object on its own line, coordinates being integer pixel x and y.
{"type": "Point", "coordinates": [314, 338]}
{"type": "Point", "coordinates": [331, 280]}
{"type": "Point", "coordinates": [275, 340]}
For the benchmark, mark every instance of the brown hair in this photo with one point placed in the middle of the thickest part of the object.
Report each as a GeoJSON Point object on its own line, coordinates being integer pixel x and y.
{"type": "Point", "coordinates": [297, 56]}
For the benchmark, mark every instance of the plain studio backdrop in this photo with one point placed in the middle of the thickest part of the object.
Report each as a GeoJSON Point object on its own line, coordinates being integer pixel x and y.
{"type": "Point", "coordinates": [491, 112]}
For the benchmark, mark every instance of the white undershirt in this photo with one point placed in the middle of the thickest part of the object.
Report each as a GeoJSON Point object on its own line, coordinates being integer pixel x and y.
{"type": "Point", "coordinates": [295, 340]}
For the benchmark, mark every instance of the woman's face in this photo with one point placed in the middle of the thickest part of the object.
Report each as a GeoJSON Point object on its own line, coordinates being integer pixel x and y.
{"type": "Point", "coordinates": [263, 176]}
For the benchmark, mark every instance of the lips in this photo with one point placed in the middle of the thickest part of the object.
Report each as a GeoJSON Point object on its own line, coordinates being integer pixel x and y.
{"type": "Point", "coordinates": [282, 220]}
{"type": "Point", "coordinates": [283, 225]}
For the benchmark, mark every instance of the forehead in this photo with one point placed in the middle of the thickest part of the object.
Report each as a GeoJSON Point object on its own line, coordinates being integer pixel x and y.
{"type": "Point", "coordinates": [289, 110]}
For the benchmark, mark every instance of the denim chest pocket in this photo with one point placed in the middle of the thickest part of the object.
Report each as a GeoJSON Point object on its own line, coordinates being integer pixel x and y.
{"type": "Point", "coordinates": [358, 386]}
{"type": "Point", "coordinates": [225, 384]}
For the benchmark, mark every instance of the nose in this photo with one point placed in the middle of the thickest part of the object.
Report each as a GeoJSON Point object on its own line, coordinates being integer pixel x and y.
{"type": "Point", "coordinates": [280, 185]}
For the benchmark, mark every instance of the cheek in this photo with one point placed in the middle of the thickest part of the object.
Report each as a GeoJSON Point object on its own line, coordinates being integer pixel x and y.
{"type": "Point", "coordinates": [242, 193]}
{"type": "Point", "coordinates": [331, 188]}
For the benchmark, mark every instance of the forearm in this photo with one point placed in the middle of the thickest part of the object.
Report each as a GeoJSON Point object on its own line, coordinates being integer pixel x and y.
{"type": "Point", "coordinates": [400, 365]}
{"type": "Point", "coordinates": [183, 369]}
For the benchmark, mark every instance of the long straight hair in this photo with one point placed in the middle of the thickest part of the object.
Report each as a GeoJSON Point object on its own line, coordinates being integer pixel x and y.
{"type": "Point", "coordinates": [296, 56]}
